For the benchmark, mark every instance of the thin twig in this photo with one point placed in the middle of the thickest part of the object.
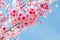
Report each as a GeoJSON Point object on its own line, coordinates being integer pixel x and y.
{"type": "Point", "coordinates": [12, 27]}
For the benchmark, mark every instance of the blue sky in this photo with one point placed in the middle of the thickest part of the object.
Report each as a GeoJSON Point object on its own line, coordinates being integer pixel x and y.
{"type": "Point", "coordinates": [50, 30]}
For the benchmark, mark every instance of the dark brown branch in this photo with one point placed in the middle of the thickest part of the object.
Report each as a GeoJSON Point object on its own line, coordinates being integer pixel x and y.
{"type": "Point", "coordinates": [12, 27]}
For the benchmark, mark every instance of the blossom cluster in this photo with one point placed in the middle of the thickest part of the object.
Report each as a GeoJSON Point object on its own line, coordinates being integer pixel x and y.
{"type": "Point", "coordinates": [20, 16]}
